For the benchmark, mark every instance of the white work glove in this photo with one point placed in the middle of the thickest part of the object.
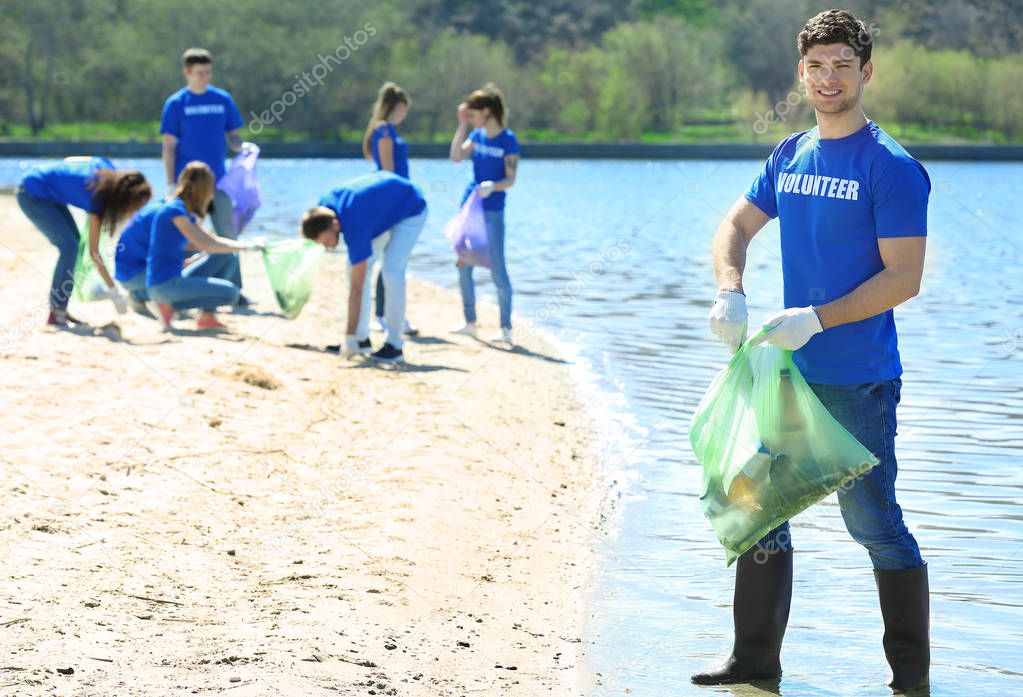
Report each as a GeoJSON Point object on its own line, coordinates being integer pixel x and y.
{"type": "Point", "coordinates": [792, 328]}
{"type": "Point", "coordinates": [119, 299]}
{"type": "Point", "coordinates": [728, 318]}
{"type": "Point", "coordinates": [351, 347]}
{"type": "Point", "coordinates": [257, 244]}
{"type": "Point", "coordinates": [486, 188]}
{"type": "Point", "coordinates": [246, 146]}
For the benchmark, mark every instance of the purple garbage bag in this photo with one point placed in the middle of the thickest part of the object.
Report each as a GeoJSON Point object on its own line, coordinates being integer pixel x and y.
{"type": "Point", "coordinates": [468, 233]}
{"type": "Point", "coordinates": [241, 185]}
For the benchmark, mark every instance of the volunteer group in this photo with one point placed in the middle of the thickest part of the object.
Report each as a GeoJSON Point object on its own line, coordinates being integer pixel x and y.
{"type": "Point", "coordinates": [167, 262]}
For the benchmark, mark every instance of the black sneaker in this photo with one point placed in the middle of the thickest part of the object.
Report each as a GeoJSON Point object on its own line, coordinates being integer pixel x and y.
{"type": "Point", "coordinates": [365, 347]}
{"type": "Point", "coordinates": [389, 355]}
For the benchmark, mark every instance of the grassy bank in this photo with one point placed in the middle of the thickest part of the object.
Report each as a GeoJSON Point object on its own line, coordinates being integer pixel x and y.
{"type": "Point", "coordinates": [713, 132]}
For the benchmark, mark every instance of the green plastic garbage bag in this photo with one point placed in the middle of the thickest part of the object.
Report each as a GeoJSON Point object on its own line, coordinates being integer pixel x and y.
{"type": "Point", "coordinates": [291, 266]}
{"type": "Point", "coordinates": [768, 447]}
{"type": "Point", "coordinates": [89, 285]}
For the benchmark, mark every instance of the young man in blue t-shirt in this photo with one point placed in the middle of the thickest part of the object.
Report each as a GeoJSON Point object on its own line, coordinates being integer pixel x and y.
{"type": "Point", "coordinates": [195, 122]}
{"type": "Point", "coordinates": [379, 216]}
{"type": "Point", "coordinates": [852, 206]}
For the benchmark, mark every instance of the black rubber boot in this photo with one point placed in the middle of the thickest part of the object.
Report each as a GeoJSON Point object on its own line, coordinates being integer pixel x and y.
{"type": "Point", "coordinates": [763, 594]}
{"type": "Point", "coordinates": [905, 606]}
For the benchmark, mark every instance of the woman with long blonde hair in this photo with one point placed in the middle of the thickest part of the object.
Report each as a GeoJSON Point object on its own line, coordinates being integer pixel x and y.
{"type": "Point", "coordinates": [173, 287]}
{"type": "Point", "coordinates": [389, 151]}
{"type": "Point", "coordinates": [381, 143]}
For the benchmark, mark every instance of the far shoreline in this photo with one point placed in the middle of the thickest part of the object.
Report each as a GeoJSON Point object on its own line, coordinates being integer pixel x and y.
{"type": "Point", "coordinates": [542, 151]}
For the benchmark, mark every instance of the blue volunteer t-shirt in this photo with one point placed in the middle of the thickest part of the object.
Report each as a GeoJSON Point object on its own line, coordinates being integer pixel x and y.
{"type": "Point", "coordinates": [488, 162]}
{"type": "Point", "coordinates": [166, 243]}
{"type": "Point", "coordinates": [199, 122]}
{"type": "Point", "coordinates": [400, 148]}
{"type": "Point", "coordinates": [369, 206]}
{"type": "Point", "coordinates": [66, 182]}
{"type": "Point", "coordinates": [834, 199]}
{"type": "Point", "coordinates": [133, 244]}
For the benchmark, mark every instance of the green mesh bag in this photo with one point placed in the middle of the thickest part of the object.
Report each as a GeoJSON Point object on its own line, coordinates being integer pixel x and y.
{"type": "Point", "coordinates": [291, 266]}
{"type": "Point", "coordinates": [768, 447]}
{"type": "Point", "coordinates": [89, 285]}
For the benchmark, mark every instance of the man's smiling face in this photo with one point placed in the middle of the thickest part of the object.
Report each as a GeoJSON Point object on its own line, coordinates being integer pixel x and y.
{"type": "Point", "coordinates": [832, 77]}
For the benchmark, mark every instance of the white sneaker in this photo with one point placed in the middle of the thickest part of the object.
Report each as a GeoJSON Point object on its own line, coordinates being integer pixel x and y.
{"type": "Point", "coordinates": [381, 327]}
{"type": "Point", "coordinates": [505, 337]}
{"type": "Point", "coordinates": [468, 329]}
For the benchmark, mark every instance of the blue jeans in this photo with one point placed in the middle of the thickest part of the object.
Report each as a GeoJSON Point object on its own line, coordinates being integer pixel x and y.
{"type": "Point", "coordinates": [136, 286]}
{"type": "Point", "coordinates": [54, 220]}
{"type": "Point", "coordinates": [498, 271]}
{"type": "Point", "coordinates": [222, 218]}
{"type": "Point", "coordinates": [871, 514]}
{"type": "Point", "coordinates": [200, 285]}
{"type": "Point", "coordinates": [393, 250]}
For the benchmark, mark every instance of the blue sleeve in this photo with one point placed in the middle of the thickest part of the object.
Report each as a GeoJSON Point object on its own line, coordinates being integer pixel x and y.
{"type": "Point", "coordinates": [234, 119]}
{"type": "Point", "coordinates": [170, 120]}
{"type": "Point", "coordinates": [360, 247]}
{"type": "Point", "coordinates": [511, 146]}
{"type": "Point", "coordinates": [761, 192]}
{"type": "Point", "coordinates": [384, 130]}
{"type": "Point", "coordinates": [900, 200]}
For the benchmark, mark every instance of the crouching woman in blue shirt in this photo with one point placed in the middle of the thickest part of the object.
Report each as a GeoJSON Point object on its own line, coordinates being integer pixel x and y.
{"type": "Point", "coordinates": [110, 196]}
{"type": "Point", "coordinates": [378, 215]}
{"type": "Point", "coordinates": [171, 286]}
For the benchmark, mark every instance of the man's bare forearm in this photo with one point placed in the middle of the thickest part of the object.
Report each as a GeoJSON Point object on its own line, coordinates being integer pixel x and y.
{"type": "Point", "coordinates": [879, 293]}
{"type": "Point", "coordinates": [354, 308]}
{"type": "Point", "coordinates": [728, 253]}
{"type": "Point", "coordinates": [168, 161]}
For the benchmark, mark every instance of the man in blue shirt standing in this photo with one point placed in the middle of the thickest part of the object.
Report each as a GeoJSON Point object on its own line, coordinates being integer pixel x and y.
{"type": "Point", "coordinates": [195, 122]}
{"type": "Point", "coordinates": [852, 207]}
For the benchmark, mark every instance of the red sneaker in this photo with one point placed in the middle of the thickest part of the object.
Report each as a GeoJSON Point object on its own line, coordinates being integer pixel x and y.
{"type": "Point", "coordinates": [162, 311]}
{"type": "Point", "coordinates": [61, 318]}
{"type": "Point", "coordinates": [208, 320]}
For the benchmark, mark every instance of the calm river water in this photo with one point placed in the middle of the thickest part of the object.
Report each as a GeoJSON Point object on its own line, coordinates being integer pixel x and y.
{"type": "Point", "coordinates": [611, 258]}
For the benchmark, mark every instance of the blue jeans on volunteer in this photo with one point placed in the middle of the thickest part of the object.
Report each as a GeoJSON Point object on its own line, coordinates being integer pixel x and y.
{"type": "Point", "coordinates": [488, 165]}
{"type": "Point", "coordinates": [201, 284]}
{"type": "Point", "coordinates": [44, 196]}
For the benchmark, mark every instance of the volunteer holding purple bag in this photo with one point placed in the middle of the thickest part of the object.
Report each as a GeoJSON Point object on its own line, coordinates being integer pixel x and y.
{"type": "Point", "coordinates": [494, 150]}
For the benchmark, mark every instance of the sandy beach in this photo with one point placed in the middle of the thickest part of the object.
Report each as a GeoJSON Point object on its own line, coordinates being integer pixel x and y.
{"type": "Point", "coordinates": [193, 513]}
